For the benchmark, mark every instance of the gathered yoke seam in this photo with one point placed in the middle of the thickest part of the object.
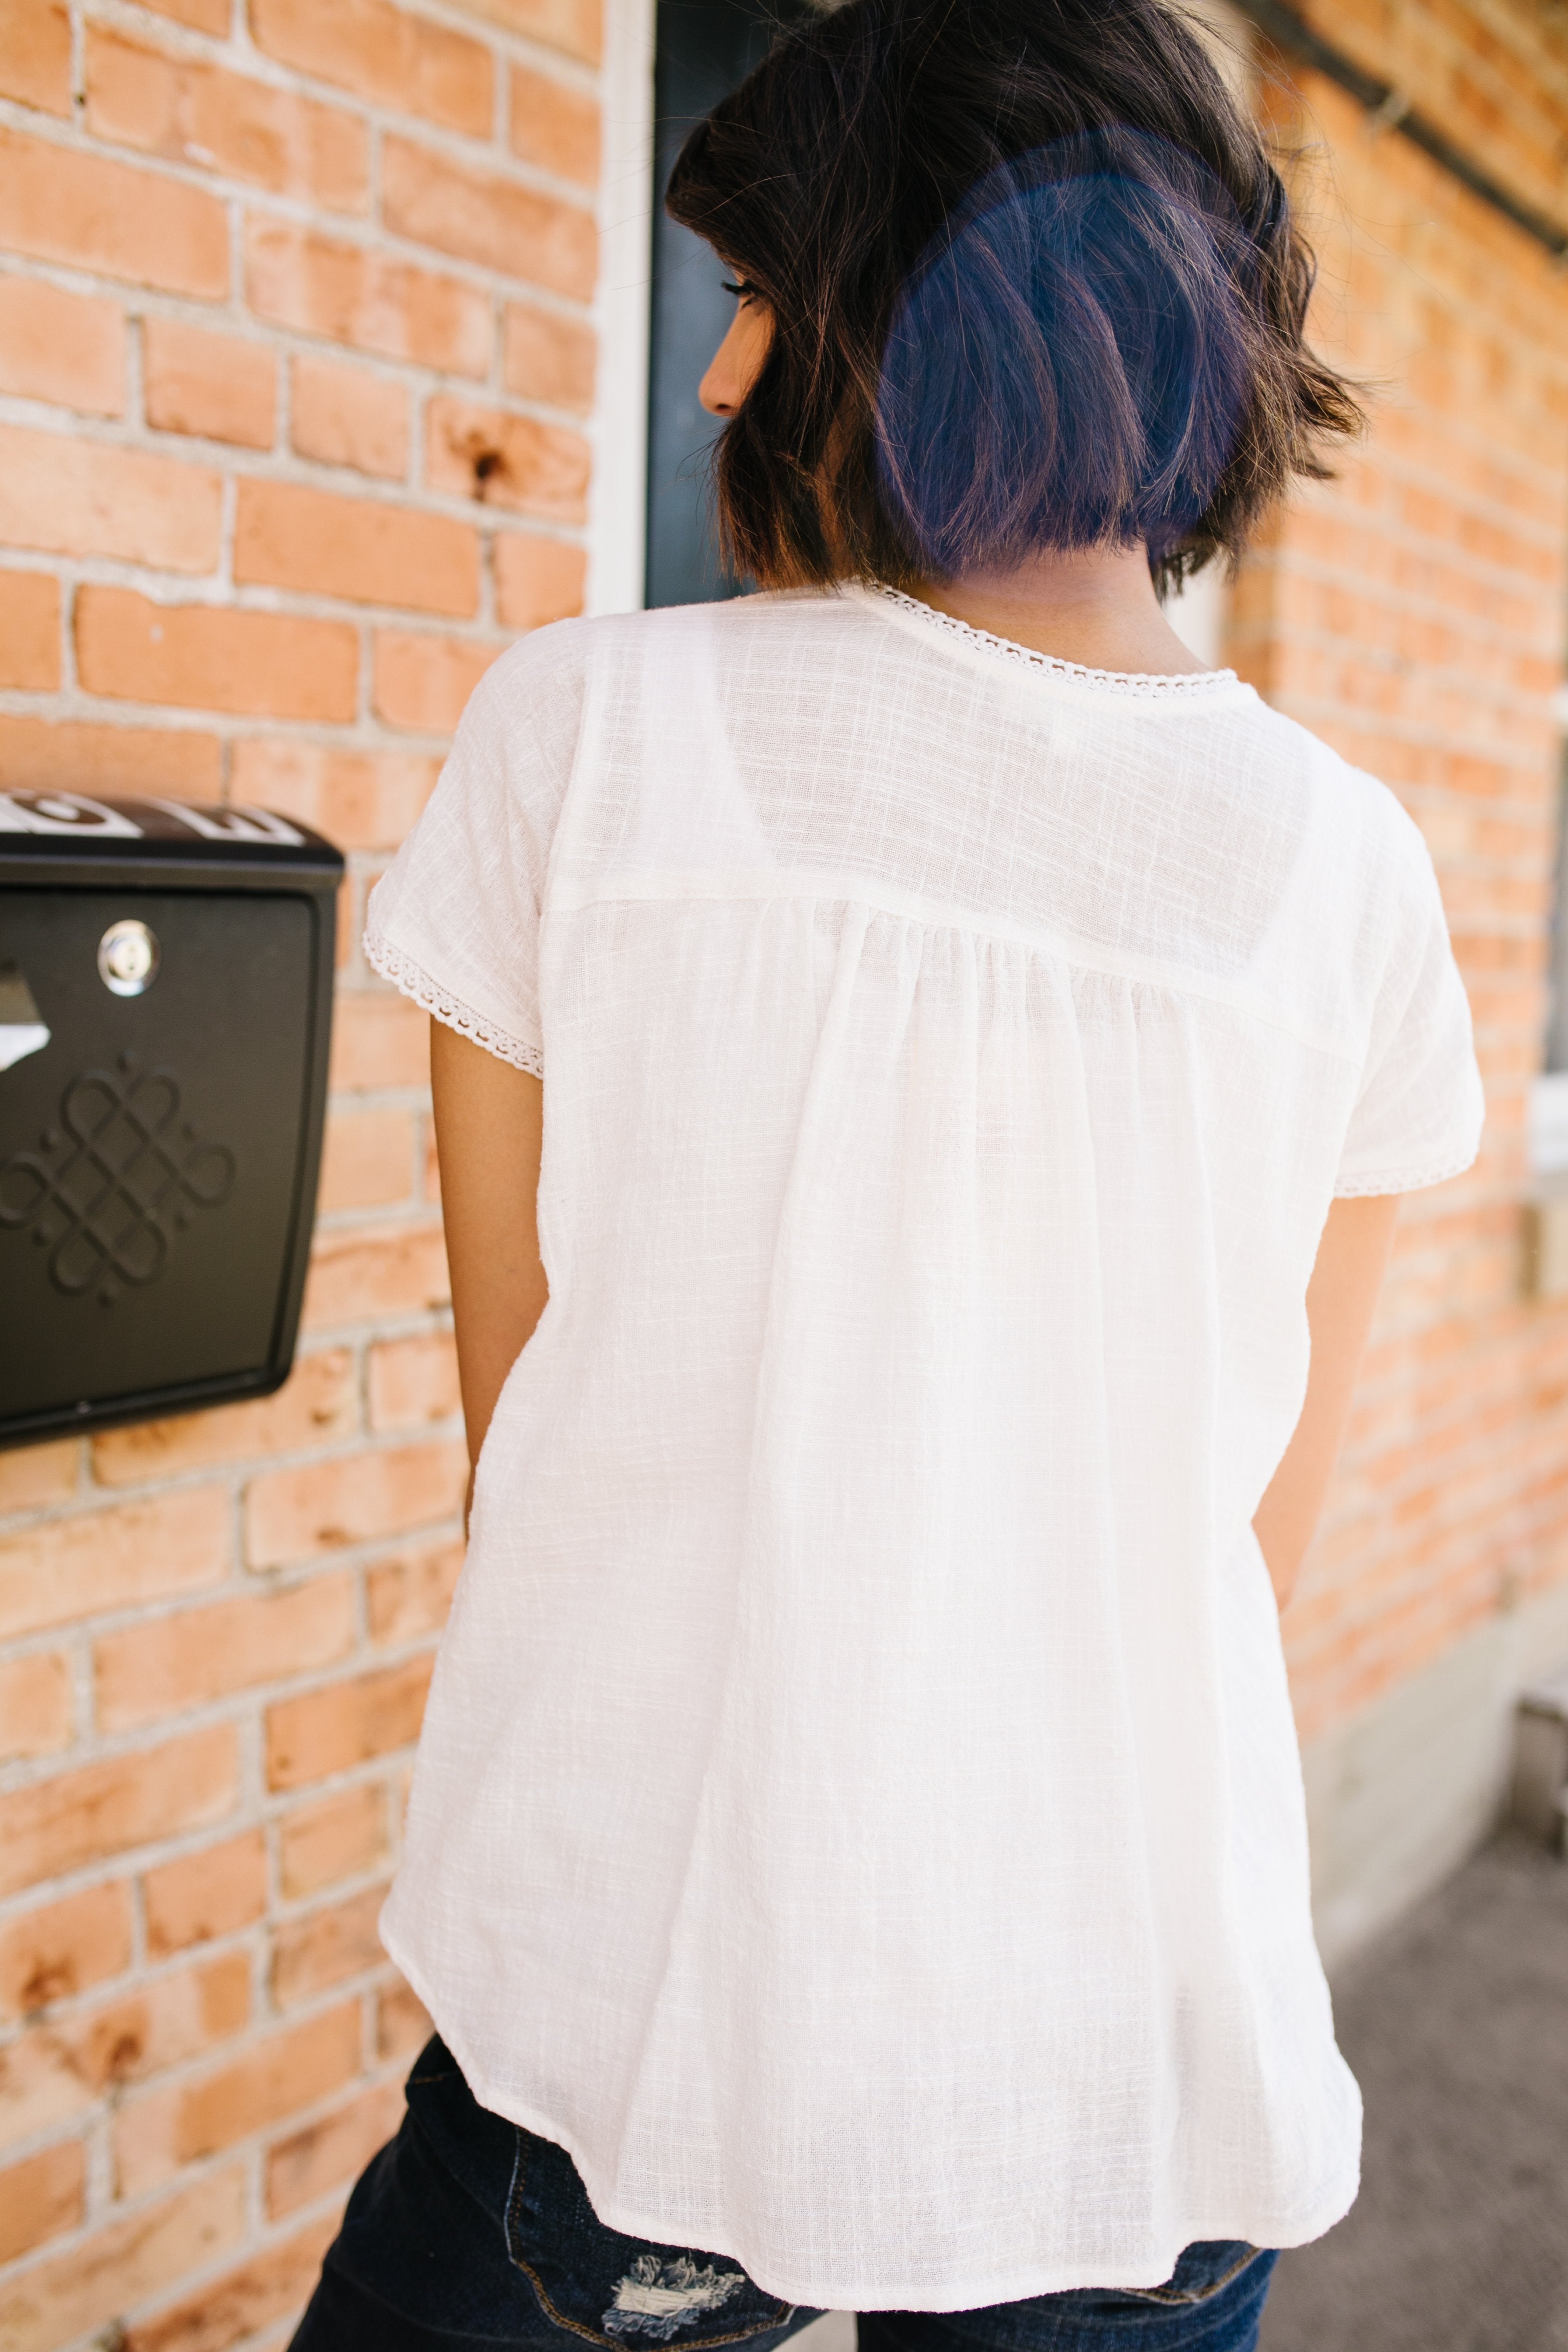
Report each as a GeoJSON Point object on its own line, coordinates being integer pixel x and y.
{"type": "Point", "coordinates": [1068, 947]}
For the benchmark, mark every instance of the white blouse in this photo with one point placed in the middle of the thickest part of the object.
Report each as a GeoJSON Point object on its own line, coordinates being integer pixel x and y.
{"type": "Point", "coordinates": [859, 1814]}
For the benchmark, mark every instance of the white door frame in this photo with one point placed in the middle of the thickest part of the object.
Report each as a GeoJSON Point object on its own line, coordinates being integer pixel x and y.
{"type": "Point", "coordinates": [618, 509]}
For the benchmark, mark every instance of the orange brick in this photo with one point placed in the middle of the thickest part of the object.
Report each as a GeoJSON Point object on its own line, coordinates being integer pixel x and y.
{"type": "Point", "coordinates": [554, 127]}
{"type": "Point", "coordinates": [68, 348]}
{"type": "Point", "coordinates": [339, 1838]}
{"type": "Point", "coordinates": [59, 2070]}
{"type": "Point", "coordinates": [537, 580]}
{"type": "Point", "coordinates": [83, 497]}
{"type": "Point", "coordinates": [59, 203]}
{"type": "Point", "coordinates": [29, 631]}
{"type": "Point", "coordinates": [61, 1948]}
{"type": "Point", "coordinates": [56, 2301]}
{"type": "Point", "coordinates": [358, 1274]}
{"type": "Point", "coordinates": [36, 1474]}
{"type": "Point", "coordinates": [480, 216]}
{"type": "Point", "coordinates": [346, 416]}
{"type": "Point", "coordinates": [328, 1947]}
{"type": "Point", "coordinates": [329, 1730]}
{"type": "Point", "coordinates": [298, 279]}
{"type": "Point", "coordinates": [368, 1163]}
{"type": "Point", "coordinates": [214, 658]}
{"type": "Point", "coordinates": [204, 1895]}
{"type": "Point", "coordinates": [194, 113]}
{"type": "Point", "coordinates": [381, 1039]}
{"type": "Point", "coordinates": [574, 26]}
{"type": "Point", "coordinates": [106, 1808]}
{"type": "Point", "coordinates": [317, 1402]}
{"type": "Point", "coordinates": [36, 54]}
{"type": "Point", "coordinates": [219, 385]}
{"type": "Point", "coordinates": [40, 2091]}
{"type": "Point", "coordinates": [201, 16]}
{"type": "Point", "coordinates": [347, 909]}
{"type": "Point", "coordinates": [414, 1380]}
{"type": "Point", "coordinates": [548, 358]}
{"type": "Point", "coordinates": [422, 681]}
{"type": "Point", "coordinates": [173, 2017]}
{"type": "Point", "coordinates": [382, 53]}
{"type": "Point", "coordinates": [42, 2198]}
{"type": "Point", "coordinates": [408, 1598]}
{"type": "Point", "coordinates": [334, 2149]}
{"type": "Point", "coordinates": [166, 2128]}
{"type": "Point", "coordinates": [506, 460]}
{"type": "Point", "coordinates": [35, 1704]}
{"type": "Point", "coordinates": [112, 1559]}
{"type": "Point", "coordinates": [364, 548]}
{"type": "Point", "coordinates": [37, 752]}
{"type": "Point", "coordinates": [402, 2022]}
{"type": "Point", "coordinates": [293, 1515]}
{"type": "Point", "coordinates": [199, 1654]}
{"type": "Point", "coordinates": [360, 799]}
{"type": "Point", "coordinates": [276, 2279]}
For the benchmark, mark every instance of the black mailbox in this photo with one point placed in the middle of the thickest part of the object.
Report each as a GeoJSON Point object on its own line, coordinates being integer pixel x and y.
{"type": "Point", "coordinates": [165, 1008]}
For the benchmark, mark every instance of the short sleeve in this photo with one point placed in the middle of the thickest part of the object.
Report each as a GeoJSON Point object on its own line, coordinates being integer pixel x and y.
{"type": "Point", "coordinates": [1418, 1115]}
{"type": "Point", "coordinates": [455, 920]}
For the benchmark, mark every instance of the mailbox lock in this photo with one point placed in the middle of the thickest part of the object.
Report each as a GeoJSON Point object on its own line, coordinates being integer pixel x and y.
{"type": "Point", "coordinates": [128, 958]}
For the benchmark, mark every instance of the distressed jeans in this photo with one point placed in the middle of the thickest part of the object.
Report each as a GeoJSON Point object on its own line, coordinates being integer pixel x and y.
{"type": "Point", "coordinates": [467, 2232]}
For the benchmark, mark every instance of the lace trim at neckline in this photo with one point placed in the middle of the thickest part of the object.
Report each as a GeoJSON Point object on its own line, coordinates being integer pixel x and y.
{"type": "Point", "coordinates": [1144, 685]}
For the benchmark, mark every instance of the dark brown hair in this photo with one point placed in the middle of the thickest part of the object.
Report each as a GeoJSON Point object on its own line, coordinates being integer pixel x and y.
{"type": "Point", "coordinates": [1034, 282]}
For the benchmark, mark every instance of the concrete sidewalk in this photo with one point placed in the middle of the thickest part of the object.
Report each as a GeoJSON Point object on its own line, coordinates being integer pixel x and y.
{"type": "Point", "coordinates": [1457, 2027]}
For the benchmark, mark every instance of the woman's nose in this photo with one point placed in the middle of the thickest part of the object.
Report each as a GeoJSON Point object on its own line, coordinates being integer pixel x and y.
{"type": "Point", "coordinates": [737, 363]}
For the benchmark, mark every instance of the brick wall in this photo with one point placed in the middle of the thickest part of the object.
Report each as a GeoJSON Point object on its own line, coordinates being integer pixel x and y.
{"type": "Point", "coordinates": [1412, 611]}
{"type": "Point", "coordinates": [296, 362]}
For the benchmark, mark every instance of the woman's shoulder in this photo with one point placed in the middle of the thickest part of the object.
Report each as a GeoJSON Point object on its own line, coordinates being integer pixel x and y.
{"type": "Point", "coordinates": [1356, 811]}
{"type": "Point", "coordinates": [533, 702]}
{"type": "Point", "coordinates": [577, 647]}
{"type": "Point", "coordinates": [556, 673]}
{"type": "Point", "coordinates": [1394, 851]}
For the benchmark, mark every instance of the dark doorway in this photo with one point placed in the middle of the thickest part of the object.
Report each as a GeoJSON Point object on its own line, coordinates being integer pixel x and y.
{"type": "Point", "coordinates": [703, 48]}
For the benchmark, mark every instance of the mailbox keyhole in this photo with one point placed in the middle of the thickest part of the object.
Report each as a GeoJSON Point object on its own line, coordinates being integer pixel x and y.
{"type": "Point", "coordinates": [128, 958]}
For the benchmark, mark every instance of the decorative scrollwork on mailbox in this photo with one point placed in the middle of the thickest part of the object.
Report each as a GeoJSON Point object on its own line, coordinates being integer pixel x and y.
{"type": "Point", "coordinates": [106, 1192]}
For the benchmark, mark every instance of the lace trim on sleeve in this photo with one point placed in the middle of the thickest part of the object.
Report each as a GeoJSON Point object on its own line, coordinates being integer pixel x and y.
{"type": "Point", "coordinates": [414, 981]}
{"type": "Point", "coordinates": [1413, 1179]}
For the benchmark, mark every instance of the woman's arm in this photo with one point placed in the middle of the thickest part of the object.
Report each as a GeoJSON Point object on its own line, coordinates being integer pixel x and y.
{"type": "Point", "coordinates": [490, 1124]}
{"type": "Point", "coordinates": [1341, 1296]}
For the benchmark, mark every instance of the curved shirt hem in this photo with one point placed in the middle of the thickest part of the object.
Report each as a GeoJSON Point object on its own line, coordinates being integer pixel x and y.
{"type": "Point", "coordinates": [1272, 2231]}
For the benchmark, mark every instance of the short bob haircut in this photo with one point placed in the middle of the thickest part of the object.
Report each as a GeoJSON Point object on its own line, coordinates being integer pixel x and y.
{"type": "Point", "coordinates": [1035, 284]}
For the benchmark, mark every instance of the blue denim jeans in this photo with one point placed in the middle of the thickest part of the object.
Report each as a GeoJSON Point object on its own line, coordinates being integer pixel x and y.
{"type": "Point", "coordinates": [467, 2232]}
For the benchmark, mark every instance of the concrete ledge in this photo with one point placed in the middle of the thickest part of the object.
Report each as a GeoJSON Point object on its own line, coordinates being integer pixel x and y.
{"type": "Point", "coordinates": [1399, 1795]}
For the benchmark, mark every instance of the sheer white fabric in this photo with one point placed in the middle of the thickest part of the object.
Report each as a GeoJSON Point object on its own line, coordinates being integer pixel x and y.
{"type": "Point", "coordinates": [858, 1812]}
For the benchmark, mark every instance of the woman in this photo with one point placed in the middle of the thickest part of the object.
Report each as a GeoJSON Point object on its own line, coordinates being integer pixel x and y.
{"type": "Point", "coordinates": [857, 1854]}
